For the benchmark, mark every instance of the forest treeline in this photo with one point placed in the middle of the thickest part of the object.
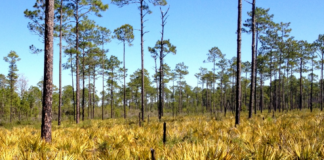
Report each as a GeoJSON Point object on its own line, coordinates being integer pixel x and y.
{"type": "Point", "coordinates": [284, 73]}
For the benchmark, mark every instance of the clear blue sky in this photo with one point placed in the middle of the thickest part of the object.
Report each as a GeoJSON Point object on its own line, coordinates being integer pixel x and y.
{"type": "Point", "coordinates": [194, 26]}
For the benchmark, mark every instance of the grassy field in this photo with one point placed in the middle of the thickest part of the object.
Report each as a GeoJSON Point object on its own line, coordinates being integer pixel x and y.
{"type": "Point", "coordinates": [293, 135]}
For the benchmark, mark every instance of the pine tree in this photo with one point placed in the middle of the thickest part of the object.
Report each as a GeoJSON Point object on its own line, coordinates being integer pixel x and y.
{"type": "Point", "coordinates": [144, 10]}
{"type": "Point", "coordinates": [46, 128]}
{"type": "Point", "coordinates": [12, 58]}
{"type": "Point", "coordinates": [124, 34]}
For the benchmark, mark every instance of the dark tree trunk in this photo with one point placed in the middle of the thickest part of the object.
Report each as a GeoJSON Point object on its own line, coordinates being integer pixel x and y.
{"type": "Point", "coordinates": [83, 85]}
{"type": "Point", "coordinates": [213, 87]}
{"type": "Point", "coordinates": [142, 57]}
{"type": "Point", "coordinates": [291, 89]}
{"type": "Point", "coordinates": [253, 62]}
{"type": "Point", "coordinates": [103, 81]}
{"type": "Point", "coordinates": [271, 99]}
{"type": "Point", "coordinates": [276, 92]}
{"type": "Point", "coordinates": [156, 81]}
{"type": "Point", "coordinates": [261, 91]}
{"type": "Point", "coordinates": [112, 92]}
{"type": "Point", "coordinates": [280, 88]}
{"type": "Point", "coordinates": [124, 85]}
{"type": "Point", "coordinates": [180, 98]}
{"type": "Point", "coordinates": [321, 81]}
{"type": "Point", "coordinates": [77, 65]}
{"type": "Point", "coordinates": [73, 87]}
{"type": "Point", "coordinates": [245, 93]}
{"type": "Point", "coordinates": [300, 84]}
{"type": "Point", "coordinates": [207, 106]}
{"type": "Point", "coordinates": [238, 77]}
{"type": "Point", "coordinates": [161, 98]}
{"type": "Point", "coordinates": [46, 129]}
{"type": "Point", "coordinates": [103, 94]}
{"type": "Point", "coordinates": [94, 91]}
{"type": "Point", "coordinates": [60, 68]}
{"type": "Point", "coordinates": [89, 96]}
{"type": "Point", "coordinates": [311, 94]}
{"type": "Point", "coordinates": [173, 100]}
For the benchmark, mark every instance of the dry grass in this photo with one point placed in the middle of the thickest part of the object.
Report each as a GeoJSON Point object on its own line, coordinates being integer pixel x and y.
{"type": "Point", "coordinates": [294, 135]}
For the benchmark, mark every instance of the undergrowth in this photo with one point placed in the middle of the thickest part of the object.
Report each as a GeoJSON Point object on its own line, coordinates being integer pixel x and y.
{"type": "Point", "coordinates": [293, 135]}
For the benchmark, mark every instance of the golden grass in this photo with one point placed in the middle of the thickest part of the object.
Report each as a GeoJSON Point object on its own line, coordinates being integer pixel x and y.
{"type": "Point", "coordinates": [294, 135]}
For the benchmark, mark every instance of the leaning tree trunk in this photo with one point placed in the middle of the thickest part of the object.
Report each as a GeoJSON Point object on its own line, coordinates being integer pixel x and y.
{"type": "Point", "coordinates": [46, 128]}
{"type": "Point", "coordinates": [238, 76]}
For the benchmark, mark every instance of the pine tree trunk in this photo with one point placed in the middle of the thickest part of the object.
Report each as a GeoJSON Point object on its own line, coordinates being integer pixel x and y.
{"type": "Point", "coordinates": [73, 87]}
{"type": "Point", "coordinates": [261, 91]}
{"type": "Point", "coordinates": [89, 95]}
{"type": "Point", "coordinates": [142, 56]}
{"type": "Point", "coordinates": [238, 77]}
{"type": "Point", "coordinates": [83, 85]}
{"type": "Point", "coordinates": [321, 81]}
{"type": "Point", "coordinates": [207, 106]}
{"type": "Point", "coordinates": [60, 68]}
{"type": "Point", "coordinates": [311, 94]}
{"type": "Point", "coordinates": [253, 80]}
{"type": "Point", "coordinates": [103, 94]}
{"type": "Point", "coordinates": [291, 89]}
{"type": "Point", "coordinates": [77, 64]}
{"type": "Point", "coordinates": [112, 92]}
{"type": "Point", "coordinates": [161, 80]}
{"type": "Point", "coordinates": [46, 128]}
{"type": "Point", "coordinates": [94, 91]}
{"type": "Point", "coordinates": [103, 81]}
{"type": "Point", "coordinates": [300, 84]}
{"type": "Point", "coordinates": [124, 85]}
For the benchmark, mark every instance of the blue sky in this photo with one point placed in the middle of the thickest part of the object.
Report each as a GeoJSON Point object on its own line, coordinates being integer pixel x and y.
{"type": "Point", "coordinates": [193, 26]}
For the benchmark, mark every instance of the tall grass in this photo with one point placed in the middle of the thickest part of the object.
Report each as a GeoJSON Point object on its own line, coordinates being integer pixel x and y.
{"type": "Point", "coordinates": [293, 135]}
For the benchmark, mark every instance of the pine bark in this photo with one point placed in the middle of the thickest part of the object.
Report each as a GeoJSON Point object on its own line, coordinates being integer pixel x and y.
{"type": "Point", "coordinates": [77, 65]}
{"type": "Point", "coordinates": [46, 127]}
{"type": "Point", "coordinates": [94, 91]}
{"type": "Point", "coordinates": [142, 57]}
{"type": "Point", "coordinates": [300, 84]}
{"type": "Point", "coordinates": [83, 84]}
{"type": "Point", "coordinates": [89, 95]}
{"type": "Point", "coordinates": [321, 81]}
{"type": "Point", "coordinates": [253, 62]}
{"type": "Point", "coordinates": [238, 76]}
{"type": "Point", "coordinates": [112, 92]}
{"type": "Point", "coordinates": [124, 84]}
{"type": "Point", "coordinates": [161, 98]}
{"type": "Point", "coordinates": [311, 94]}
{"type": "Point", "coordinates": [60, 68]}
